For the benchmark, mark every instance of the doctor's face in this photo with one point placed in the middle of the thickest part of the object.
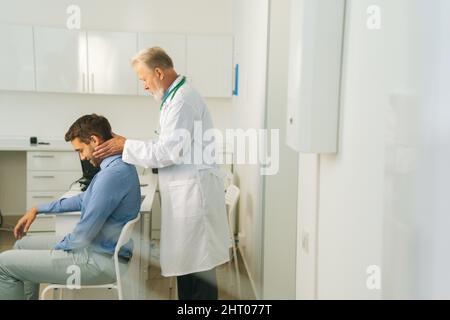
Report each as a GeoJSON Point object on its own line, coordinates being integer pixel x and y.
{"type": "Point", "coordinates": [151, 80]}
{"type": "Point", "coordinates": [85, 150]}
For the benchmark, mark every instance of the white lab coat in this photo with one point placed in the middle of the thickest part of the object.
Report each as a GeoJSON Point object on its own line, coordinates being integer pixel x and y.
{"type": "Point", "coordinates": [194, 227]}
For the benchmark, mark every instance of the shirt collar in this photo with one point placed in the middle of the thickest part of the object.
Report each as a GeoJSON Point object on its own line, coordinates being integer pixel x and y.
{"type": "Point", "coordinates": [174, 83]}
{"type": "Point", "coordinates": [107, 161]}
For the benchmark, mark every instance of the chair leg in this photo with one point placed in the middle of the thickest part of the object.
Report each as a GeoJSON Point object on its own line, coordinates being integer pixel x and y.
{"type": "Point", "coordinates": [236, 269]}
{"type": "Point", "coordinates": [44, 292]}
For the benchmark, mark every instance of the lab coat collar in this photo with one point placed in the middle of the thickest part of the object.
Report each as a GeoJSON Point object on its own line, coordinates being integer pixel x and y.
{"type": "Point", "coordinates": [174, 83]}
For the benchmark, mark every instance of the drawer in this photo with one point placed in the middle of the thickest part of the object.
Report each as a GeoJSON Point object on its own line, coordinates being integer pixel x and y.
{"type": "Point", "coordinates": [43, 223]}
{"type": "Point", "coordinates": [36, 198]}
{"type": "Point", "coordinates": [51, 180]}
{"type": "Point", "coordinates": [53, 161]}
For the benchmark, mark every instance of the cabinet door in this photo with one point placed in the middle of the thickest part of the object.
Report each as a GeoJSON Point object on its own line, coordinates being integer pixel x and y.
{"type": "Point", "coordinates": [16, 58]}
{"type": "Point", "coordinates": [61, 60]}
{"type": "Point", "coordinates": [209, 64]}
{"type": "Point", "coordinates": [173, 44]}
{"type": "Point", "coordinates": [109, 56]}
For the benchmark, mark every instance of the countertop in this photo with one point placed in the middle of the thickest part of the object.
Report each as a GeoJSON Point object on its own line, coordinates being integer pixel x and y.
{"type": "Point", "coordinates": [23, 144]}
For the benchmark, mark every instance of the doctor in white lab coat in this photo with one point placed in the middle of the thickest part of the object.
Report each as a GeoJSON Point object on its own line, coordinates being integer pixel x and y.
{"type": "Point", "coordinates": [194, 229]}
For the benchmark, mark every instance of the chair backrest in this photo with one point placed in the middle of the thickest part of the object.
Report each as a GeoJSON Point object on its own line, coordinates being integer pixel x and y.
{"type": "Point", "coordinates": [228, 177]}
{"type": "Point", "coordinates": [124, 238]}
{"type": "Point", "coordinates": [231, 198]}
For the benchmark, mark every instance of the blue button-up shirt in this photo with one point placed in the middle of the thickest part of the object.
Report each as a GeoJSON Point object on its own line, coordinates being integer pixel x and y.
{"type": "Point", "coordinates": [112, 199]}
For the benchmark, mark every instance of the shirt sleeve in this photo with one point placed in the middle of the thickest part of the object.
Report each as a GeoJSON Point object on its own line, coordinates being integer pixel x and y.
{"type": "Point", "coordinates": [173, 144]}
{"type": "Point", "coordinates": [62, 205]}
{"type": "Point", "coordinates": [106, 195]}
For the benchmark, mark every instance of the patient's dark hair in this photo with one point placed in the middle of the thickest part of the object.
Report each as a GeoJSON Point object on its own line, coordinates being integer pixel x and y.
{"type": "Point", "coordinates": [87, 126]}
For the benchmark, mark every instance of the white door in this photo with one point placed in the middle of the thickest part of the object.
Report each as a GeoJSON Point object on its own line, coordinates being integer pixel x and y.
{"type": "Point", "coordinates": [209, 64]}
{"type": "Point", "coordinates": [109, 55]}
{"type": "Point", "coordinates": [173, 44]}
{"type": "Point", "coordinates": [61, 60]}
{"type": "Point", "coordinates": [16, 58]}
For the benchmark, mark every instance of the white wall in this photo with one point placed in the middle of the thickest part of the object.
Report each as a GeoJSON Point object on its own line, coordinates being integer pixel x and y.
{"type": "Point", "coordinates": [280, 190]}
{"type": "Point", "coordinates": [24, 114]}
{"type": "Point", "coordinates": [421, 186]}
{"type": "Point", "coordinates": [364, 199]}
{"type": "Point", "coordinates": [251, 21]}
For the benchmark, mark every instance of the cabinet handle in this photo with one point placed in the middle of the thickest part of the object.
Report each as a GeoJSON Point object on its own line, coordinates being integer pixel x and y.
{"type": "Point", "coordinates": [43, 197]}
{"type": "Point", "coordinates": [42, 156]}
{"type": "Point", "coordinates": [44, 177]}
{"type": "Point", "coordinates": [92, 81]}
{"type": "Point", "coordinates": [84, 81]}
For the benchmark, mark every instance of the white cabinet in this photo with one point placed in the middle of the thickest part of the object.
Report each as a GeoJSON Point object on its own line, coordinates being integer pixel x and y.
{"type": "Point", "coordinates": [173, 44]}
{"type": "Point", "coordinates": [315, 59]}
{"type": "Point", "coordinates": [61, 60]}
{"type": "Point", "coordinates": [16, 58]}
{"type": "Point", "coordinates": [49, 176]}
{"type": "Point", "coordinates": [209, 64]}
{"type": "Point", "coordinates": [109, 68]}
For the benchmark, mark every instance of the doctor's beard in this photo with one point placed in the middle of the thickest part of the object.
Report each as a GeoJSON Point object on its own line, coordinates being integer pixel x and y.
{"type": "Point", "coordinates": [158, 94]}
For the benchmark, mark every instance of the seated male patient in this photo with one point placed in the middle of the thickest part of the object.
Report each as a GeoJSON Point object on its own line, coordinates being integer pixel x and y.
{"type": "Point", "coordinates": [112, 199]}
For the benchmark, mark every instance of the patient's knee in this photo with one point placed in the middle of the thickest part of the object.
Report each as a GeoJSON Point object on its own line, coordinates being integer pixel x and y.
{"type": "Point", "coordinates": [6, 258]}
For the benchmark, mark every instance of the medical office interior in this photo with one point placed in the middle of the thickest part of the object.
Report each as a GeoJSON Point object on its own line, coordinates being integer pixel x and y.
{"type": "Point", "coordinates": [355, 92]}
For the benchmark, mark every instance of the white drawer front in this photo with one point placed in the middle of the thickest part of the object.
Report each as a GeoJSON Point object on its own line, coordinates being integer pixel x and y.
{"type": "Point", "coordinates": [36, 198]}
{"type": "Point", "coordinates": [53, 161]}
{"type": "Point", "coordinates": [51, 180]}
{"type": "Point", "coordinates": [43, 223]}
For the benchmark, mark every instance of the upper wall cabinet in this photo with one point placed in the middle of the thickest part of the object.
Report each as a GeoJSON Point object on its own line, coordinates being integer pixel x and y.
{"type": "Point", "coordinates": [74, 61]}
{"type": "Point", "coordinates": [109, 55]}
{"type": "Point", "coordinates": [61, 60]}
{"type": "Point", "coordinates": [173, 44]}
{"type": "Point", "coordinates": [209, 64]}
{"type": "Point", "coordinates": [16, 58]}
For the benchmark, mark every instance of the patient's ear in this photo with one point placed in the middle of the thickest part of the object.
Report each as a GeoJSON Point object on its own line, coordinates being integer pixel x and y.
{"type": "Point", "coordinates": [95, 141]}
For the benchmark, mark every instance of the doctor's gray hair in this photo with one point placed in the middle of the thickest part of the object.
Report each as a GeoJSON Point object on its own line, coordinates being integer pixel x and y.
{"type": "Point", "coordinates": [154, 57]}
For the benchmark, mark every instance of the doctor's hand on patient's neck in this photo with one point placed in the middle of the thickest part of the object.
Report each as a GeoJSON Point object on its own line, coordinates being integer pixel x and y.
{"type": "Point", "coordinates": [110, 147]}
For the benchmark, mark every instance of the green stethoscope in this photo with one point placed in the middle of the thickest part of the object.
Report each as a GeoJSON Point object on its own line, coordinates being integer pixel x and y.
{"type": "Point", "coordinates": [172, 92]}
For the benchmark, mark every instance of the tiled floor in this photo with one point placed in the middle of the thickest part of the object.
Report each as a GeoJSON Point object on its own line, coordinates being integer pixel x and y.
{"type": "Point", "coordinates": [161, 288]}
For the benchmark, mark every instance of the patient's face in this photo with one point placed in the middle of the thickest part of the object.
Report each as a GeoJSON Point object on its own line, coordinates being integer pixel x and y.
{"type": "Point", "coordinates": [86, 150]}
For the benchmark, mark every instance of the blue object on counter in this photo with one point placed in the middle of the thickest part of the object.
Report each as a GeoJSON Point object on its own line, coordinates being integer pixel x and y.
{"type": "Point", "coordinates": [236, 80]}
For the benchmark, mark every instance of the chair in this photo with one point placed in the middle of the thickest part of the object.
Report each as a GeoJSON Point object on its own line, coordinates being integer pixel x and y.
{"type": "Point", "coordinates": [231, 198]}
{"type": "Point", "coordinates": [125, 236]}
{"type": "Point", "coordinates": [228, 177]}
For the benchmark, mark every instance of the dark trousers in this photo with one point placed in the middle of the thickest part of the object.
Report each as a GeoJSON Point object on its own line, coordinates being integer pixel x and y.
{"type": "Point", "coordinates": [198, 286]}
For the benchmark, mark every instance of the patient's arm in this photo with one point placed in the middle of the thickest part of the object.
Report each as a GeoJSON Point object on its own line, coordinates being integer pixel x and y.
{"type": "Point", "coordinates": [62, 205]}
{"type": "Point", "coordinates": [58, 206]}
{"type": "Point", "coordinates": [24, 223]}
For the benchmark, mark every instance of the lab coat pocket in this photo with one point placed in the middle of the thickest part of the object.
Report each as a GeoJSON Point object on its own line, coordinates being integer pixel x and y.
{"type": "Point", "coordinates": [186, 198]}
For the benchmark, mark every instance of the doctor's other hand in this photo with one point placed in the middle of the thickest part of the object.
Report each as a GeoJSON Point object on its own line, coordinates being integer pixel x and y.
{"type": "Point", "coordinates": [111, 147]}
{"type": "Point", "coordinates": [24, 223]}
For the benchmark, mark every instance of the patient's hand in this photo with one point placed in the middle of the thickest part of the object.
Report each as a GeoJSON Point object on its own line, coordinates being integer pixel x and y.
{"type": "Point", "coordinates": [24, 223]}
{"type": "Point", "coordinates": [111, 147]}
